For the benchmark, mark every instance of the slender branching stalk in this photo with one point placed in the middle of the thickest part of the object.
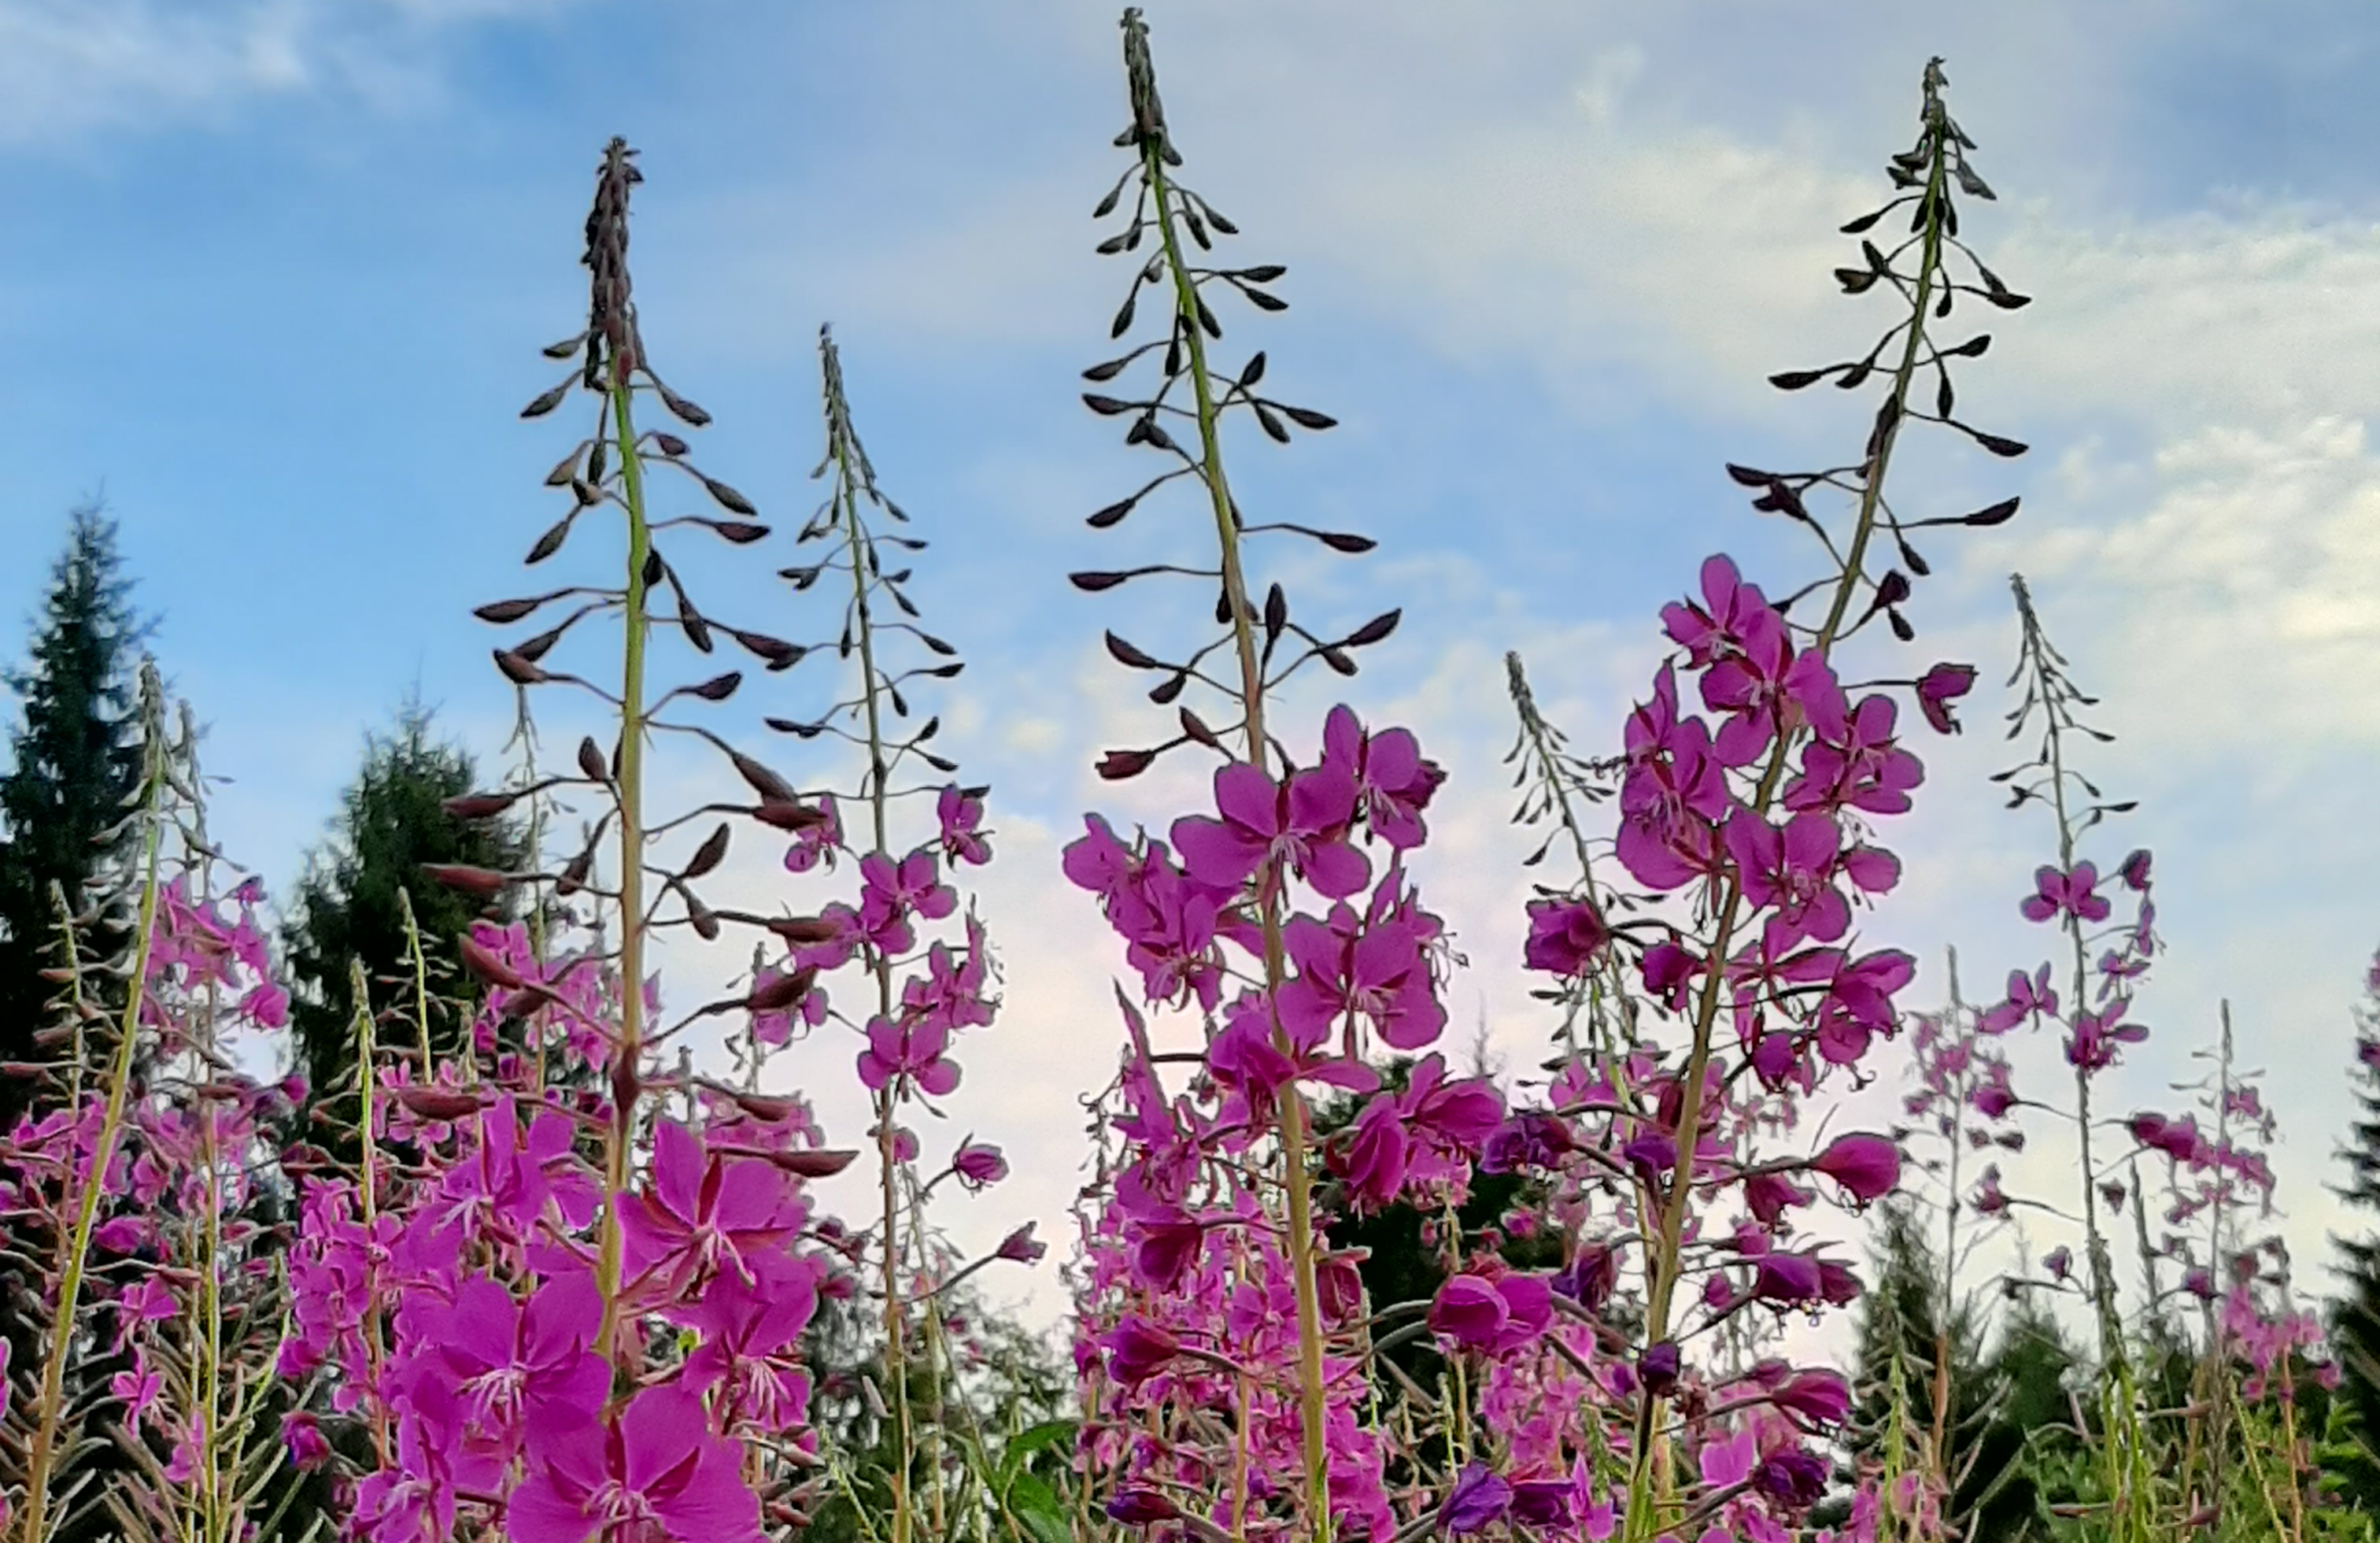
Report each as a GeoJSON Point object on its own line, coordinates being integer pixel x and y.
{"type": "Point", "coordinates": [74, 1244]}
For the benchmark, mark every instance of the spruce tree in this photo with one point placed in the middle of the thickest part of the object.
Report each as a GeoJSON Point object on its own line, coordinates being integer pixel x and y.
{"type": "Point", "coordinates": [347, 906]}
{"type": "Point", "coordinates": [2355, 1320]}
{"type": "Point", "coordinates": [74, 760]}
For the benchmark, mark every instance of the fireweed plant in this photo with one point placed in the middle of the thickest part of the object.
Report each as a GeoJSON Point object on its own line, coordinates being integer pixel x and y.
{"type": "Point", "coordinates": [545, 1278]}
{"type": "Point", "coordinates": [565, 1289]}
{"type": "Point", "coordinates": [139, 1195]}
{"type": "Point", "coordinates": [1232, 1377]}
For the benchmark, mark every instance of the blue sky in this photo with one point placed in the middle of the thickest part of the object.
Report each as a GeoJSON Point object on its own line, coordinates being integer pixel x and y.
{"type": "Point", "coordinates": [275, 275]}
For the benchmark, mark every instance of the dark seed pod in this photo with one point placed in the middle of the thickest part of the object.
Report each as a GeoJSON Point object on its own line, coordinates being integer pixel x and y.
{"type": "Point", "coordinates": [590, 761]}
{"type": "Point", "coordinates": [727, 497]}
{"type": "Point", "coordinates": [519, 671]}
{"type": "Point", "coordinates": [501, 612]}
{"type": "Point", "coordinates": [547, 401]}
{"type": "Point", "coordinates": [482, 882]}
{"type": "Point", "coordinates": [479, 805]}
{"type": "Point", "coordinates": [1117, 765]}
{"type": "Point", "coordinates": [709, 856]}
{"type": "Point", "coordinates": [550, 542]}
{"type": "Point", "coordinates": [718, 688]}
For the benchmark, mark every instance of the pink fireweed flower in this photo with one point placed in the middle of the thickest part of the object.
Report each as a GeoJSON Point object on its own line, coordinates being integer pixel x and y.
{"type": "Point", "coordinates": [751, 1337]}
{"type": "Point", "coordinates": [1373, 970]}
{"type": "Point", "coordinates": [1861, 767]}
{"type": "Point", "coordinates": [1675, 791]}
{"type": "Point", "coordinates": [907, 1050]}
{"type": "Point", "coordinates": [1766, 689]}
{"type": "Point", "coordinates": [815, 845]}
{"type": "Point", "coordinates": [1393, 780]}
{"type": "Point", "coordinates": [1729, 613]}
{"type": "Point", "coordinates": [1819, 1395]}
{"type": "Point", "coordinates": [891, 893]}
{"type": "Point", "coordinates": [2026, 997]}
{"type": "Point", "coordinates": [1495, 1315]}
{"type": "Point", "coordinates": [1479, 1498]}
{"type": "Point", "coordinates": [1137, 1350]}
{"type": "Point", "coordinates": [1300, 824]}
{"type": "Point", "coordinates": [1938, 688]}
{"type": "Point", "coordinates": [704, 1211]}
{"type": "Point", "coordinates": [1372, 1155]}
{"type": "Point", "coordinates": [1868, 1167]}
{"type": "Point", "coordinates": [1790, 869]}
{"type": "Point", "coordinates": [2075, 892]}
{"type": "Point", "coordinates": [960, 813]}
{"type": "Point", "coordinates": [656, 1473]}
{"type": "Point", "coordinates": [2093, 1044]}
{"type": "Point", "coordinates": [979, 1165]}
{"type": "Point", "coordinates": [1565, 936]}
{"type": "Point", "coordinates": [508, 1365]}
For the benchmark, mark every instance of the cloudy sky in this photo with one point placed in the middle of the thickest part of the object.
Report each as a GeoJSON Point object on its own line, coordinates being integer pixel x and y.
{"type": "Point", "coordinates": [275, 273]}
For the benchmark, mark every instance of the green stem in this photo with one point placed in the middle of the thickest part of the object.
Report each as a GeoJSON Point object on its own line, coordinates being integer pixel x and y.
{"type": "Point", "coordinates": [897, 1349]}
{"type": "Point", "coordinates": [624, 1080]}
{"type": "Point", "coordinates": [1643, 1508]}
{"type": "Point", "coordinates": [1289, 1108]}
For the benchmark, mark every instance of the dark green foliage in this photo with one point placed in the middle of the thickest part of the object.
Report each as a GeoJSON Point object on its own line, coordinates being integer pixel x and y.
{"type": "Point", "coordinates": [998, 1428]}
{"type": "Point", "coordinates": [73, 760]}
{"type": "Point", "coordinates": [2003, 1412]}
{"type": "Point", "coordinates": [391, 821]}
{"type": "Point", "coordinates": [2355, 1317]}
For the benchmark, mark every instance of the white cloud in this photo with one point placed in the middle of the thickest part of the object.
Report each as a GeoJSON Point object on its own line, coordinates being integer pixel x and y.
{"type": "Point", "coordinates": [68, 67]}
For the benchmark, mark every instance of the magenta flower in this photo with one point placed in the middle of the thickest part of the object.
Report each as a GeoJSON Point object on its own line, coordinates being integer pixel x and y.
{"type": "Point", "coordinates": [1393, 781]}
{"type": "Point", "coordinates": [1373, 971]}
{"type": "Point", "coordinates": [910, 1050]}
{"type": "Point", "coordinates": [1817, 1394]}
{"type": "Point", "coordinates": [979, 1165]}
{"type": "Point", "coordinates": [1480, 1498]}
{"type": "Point", "coordinates": [960, 812]}
{"type": "Point", "coordinates": [2026, 996]}
{"type": "Point", "coordinates": [1565, 936]}
{"type": "Point", "coordinates": [815, 845]}
{"type": "Point", "coordinates": [1765, 686]}
{"type": "Point", "coordinates": [2059, 1262]}
{"type": "Point", "coordinates": [1674, 792]}
{"type": "Point", "coordinates": [702, 1212]}
{"type": "Point", "coordinates": [1137, 1350]}
{"type": "Point", "coordinates": [751, 1340]}
{"type": "Point", "coordinates": [1792, 869]}
{"type": "Point", "coordinates": [1868, 1166]}
{"type": "Point", "coordinates": [1300, 824]}
{"type": "Point", "coordinates": [1373, 1156]}
{"type": "Point", "coordinates": [1729, 611]}
{"type": "Point", "coordinates": [1496, 1314]}
{"type": "Point", "coordinates": [1938, 688]}
{"type": "Point", "coordinates": [656, 1473]}
{"type": "Point", "coordinates": [1020, 1246]}
{"type": "Point", "coordinates": [1861, 767]}
{"type": "Point", "coordinates": [506, 1367]}
{"type": "Point", "coordinates": [2075, 892]}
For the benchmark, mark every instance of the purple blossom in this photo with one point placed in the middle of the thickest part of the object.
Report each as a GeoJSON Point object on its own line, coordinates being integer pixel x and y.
{"type": "Point", "coordinates": [1300, 824]}
{"type": "Point", "coordinates": [2074, 892]}
{"type": "Point", "coordinates": [1938, 688]}
{"type": "Point", "coordinates": [1565, 936]}
{"type": "Point", "coordinates": [1480, 1498]}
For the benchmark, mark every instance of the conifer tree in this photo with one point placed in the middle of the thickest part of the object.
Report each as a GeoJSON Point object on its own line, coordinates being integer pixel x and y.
{"type": "Point", "coordinates": [2355, 1320]}
{"type": "Point", "coordinates": [392, 822]}
{"type": "Point", "coordinates": [73, 760]}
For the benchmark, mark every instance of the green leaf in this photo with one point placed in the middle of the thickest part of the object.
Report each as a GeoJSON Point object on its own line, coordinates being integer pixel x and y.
{"type": "Point", "coordinates": [1035, 1507]}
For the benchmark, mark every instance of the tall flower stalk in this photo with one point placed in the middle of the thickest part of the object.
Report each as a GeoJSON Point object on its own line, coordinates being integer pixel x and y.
{"type": "Point", "coordinates": [1932, 169]}
{"type": "Point", "coordinates": [2066, 895]}
{"type": "Point", "coordinates": [52, 1442]}
{"type": "Point", "coordinates": [1178, 217]}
